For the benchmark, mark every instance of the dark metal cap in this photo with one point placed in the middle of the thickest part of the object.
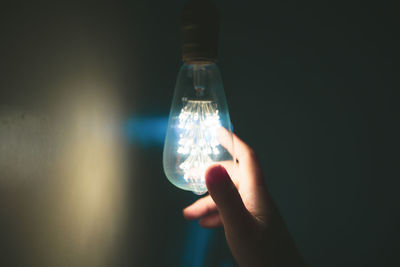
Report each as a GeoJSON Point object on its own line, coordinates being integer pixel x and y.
{"type": "Point", "coordinates": [200, 27]}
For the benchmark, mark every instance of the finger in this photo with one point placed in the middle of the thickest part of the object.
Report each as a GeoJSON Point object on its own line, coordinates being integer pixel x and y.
{"type": "Point", "coordinates": [225, 139]}
{"type": "Point", "coordinates": [234, 214]}
{"type": "Point", "coordinates": [248, 163]}
{"type": "Point", "coordinates": [211, 221]}
{"type": "Point", "coordinates": [200, 208]}
{"type": "Point", "coordinates": [229, 167]}
{"type": "Point", "coordinates": [233, 144]}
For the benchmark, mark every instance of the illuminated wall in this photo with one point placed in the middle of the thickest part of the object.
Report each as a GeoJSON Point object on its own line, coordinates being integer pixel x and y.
{"type": "Point", "coordinates": [63, 177]}
{"type": "Point", "coordinates": [62, 181]}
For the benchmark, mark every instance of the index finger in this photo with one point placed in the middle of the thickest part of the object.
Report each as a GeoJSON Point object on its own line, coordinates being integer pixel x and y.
{"type": "Point", "coordinates": [233, 144]}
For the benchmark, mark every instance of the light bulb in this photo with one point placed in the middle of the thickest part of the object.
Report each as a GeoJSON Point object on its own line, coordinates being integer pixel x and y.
{"type": "Point", "coordinates": [199, 108]}
{"type": "Point", "coordinates": [197, 113]}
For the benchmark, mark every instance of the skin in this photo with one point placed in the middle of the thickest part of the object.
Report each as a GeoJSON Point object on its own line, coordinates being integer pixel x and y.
{"type": "Point", "coordinates": [239, 201]}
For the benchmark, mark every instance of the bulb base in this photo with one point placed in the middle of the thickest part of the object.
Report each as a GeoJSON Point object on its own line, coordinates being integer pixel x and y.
{"type": "Point", "coordinates": [200, 28]}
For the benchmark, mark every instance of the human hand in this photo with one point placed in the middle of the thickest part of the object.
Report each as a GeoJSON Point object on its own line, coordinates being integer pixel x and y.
{"type": "Point", "coordinates": [239, 200]}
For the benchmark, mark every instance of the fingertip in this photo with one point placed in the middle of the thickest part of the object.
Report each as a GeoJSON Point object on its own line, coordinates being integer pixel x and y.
{"type": "Point", "coordinates": [215, 175]}
{"type": "Point", "coordinates": [186, 214]}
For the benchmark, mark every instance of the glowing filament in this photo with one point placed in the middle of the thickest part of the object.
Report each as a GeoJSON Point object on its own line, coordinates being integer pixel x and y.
{"type": "Point", "coordinates": [199, 121]}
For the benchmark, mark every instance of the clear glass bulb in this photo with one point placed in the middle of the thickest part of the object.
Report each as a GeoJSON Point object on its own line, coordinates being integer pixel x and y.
{"type": "Point", "coordinates": [198, 112]}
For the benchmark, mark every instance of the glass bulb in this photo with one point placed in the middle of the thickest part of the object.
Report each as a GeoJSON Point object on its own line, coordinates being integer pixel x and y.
{"type": "Point", "coordinates": [192, 142]}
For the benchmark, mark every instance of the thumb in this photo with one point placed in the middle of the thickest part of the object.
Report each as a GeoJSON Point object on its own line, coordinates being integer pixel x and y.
{"type": "Point", "coordinates": [234, 214]}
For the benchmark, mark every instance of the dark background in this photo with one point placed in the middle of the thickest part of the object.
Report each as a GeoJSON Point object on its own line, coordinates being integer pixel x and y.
{"type": "Point", "coordinates": [310, 85]}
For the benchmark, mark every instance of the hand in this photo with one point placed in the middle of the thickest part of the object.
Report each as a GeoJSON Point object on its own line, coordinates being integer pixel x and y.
{"type": "Point", "coordinates": [239, 200]}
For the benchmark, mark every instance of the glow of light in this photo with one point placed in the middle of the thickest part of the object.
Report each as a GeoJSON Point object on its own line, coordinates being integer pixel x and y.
{"type": "Point", "coordinates": [145, 130]}
{"type": "Point", "coordinates": [199, 122]}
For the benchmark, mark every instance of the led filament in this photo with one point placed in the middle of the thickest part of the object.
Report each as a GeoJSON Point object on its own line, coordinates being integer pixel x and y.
{"type": "Point", "coordinates": [198, 141]}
